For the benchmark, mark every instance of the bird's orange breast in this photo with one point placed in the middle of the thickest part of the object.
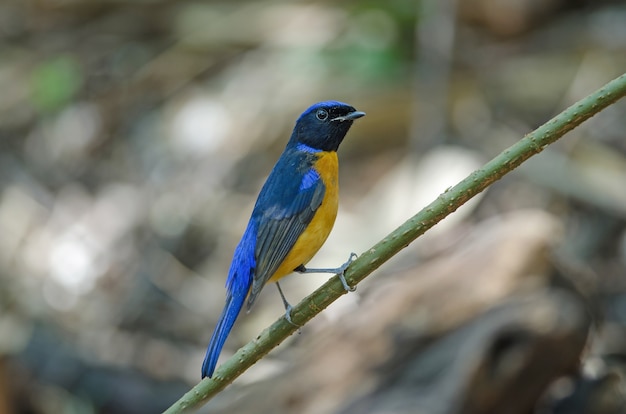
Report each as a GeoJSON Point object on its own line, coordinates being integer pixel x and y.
{"type": "Point", "coordinates": [316, 233]}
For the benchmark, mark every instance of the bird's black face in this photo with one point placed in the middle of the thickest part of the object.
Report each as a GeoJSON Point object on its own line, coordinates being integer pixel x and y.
{"type": "Point", "coordinates": [324, 125]}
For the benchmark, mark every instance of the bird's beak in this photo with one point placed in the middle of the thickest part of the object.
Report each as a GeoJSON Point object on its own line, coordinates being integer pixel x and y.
{"type": "Point", "coordinates": [350, 117]}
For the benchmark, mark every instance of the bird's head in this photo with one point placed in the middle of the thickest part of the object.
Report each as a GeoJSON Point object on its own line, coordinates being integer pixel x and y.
{"type": "Point", "coordinates": [324, 125]}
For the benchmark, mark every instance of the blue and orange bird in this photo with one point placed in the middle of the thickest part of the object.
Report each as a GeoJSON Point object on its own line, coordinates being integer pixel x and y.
{"type": "Point", "coordinates": [292, 217]}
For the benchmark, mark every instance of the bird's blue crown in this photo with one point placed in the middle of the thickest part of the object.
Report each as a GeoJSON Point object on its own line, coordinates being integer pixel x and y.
{"type": "Point", "coordinates": [321, 105]}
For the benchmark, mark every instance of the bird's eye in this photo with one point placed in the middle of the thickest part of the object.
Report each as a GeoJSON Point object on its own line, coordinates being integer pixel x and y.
{"type": "Point", "coordinates": [321, 114]}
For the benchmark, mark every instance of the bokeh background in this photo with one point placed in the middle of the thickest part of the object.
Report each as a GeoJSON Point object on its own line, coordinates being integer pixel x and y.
{"type": "Point", "coordinates": [135, 135]}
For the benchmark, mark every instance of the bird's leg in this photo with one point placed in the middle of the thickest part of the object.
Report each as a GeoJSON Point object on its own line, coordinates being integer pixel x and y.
{"type": "Point", "coordinates": [339, 271]}
{"type": "Point", "coordinates": [286, 304]}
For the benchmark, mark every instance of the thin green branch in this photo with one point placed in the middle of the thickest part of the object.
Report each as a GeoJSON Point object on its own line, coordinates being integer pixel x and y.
{"type": "Point", "coordinates": [370, 260]}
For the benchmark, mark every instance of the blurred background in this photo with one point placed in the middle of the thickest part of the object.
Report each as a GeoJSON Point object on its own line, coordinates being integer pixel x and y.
{"type": "Point", "coordinates": [135, 136]}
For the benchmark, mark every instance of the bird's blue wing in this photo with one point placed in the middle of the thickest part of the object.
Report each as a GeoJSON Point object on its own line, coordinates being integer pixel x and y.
{"type": "Point", "coordinates": [286, 206]}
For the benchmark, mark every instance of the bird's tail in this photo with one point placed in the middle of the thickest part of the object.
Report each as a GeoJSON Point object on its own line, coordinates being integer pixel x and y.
{"type": "Point", "coordinates": [225, 324]}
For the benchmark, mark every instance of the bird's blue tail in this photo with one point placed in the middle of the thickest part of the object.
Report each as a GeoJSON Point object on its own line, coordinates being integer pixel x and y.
{"type": "Point", "coordinates": [237, 287]}
{"type": "Point", "coordinates": [225, 324]}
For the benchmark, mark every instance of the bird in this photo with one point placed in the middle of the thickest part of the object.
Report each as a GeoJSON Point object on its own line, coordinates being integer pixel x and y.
{"type": "Point", "coordinates": [291, 219]}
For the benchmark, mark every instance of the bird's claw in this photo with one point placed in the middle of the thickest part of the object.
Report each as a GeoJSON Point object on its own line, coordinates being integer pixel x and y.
{"type": "Point", "coordinates": [288, 309]}
{"type": "Point", "coordinates": [288, 314]}
{"type": "Point", "coordinates": [342, 270]}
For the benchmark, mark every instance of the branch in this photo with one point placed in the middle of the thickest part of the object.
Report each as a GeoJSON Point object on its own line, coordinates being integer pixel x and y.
{"type": "Point", "coordinates": [446, 203]}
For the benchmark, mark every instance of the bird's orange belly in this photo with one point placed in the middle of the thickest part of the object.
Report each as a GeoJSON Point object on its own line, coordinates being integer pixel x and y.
{"type": "Point", "coordinates": [312, 239]}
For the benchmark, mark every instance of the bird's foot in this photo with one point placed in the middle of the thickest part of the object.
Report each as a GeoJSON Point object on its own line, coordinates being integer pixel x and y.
{"type": "Point", "coordinates": [288, 307]}
{"type": "Point", "coordinates": [342, 270]}
{"type": "Point", "coordinates": [288, 316]}
{"type": "Point", "coordinates": [339, 271]}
